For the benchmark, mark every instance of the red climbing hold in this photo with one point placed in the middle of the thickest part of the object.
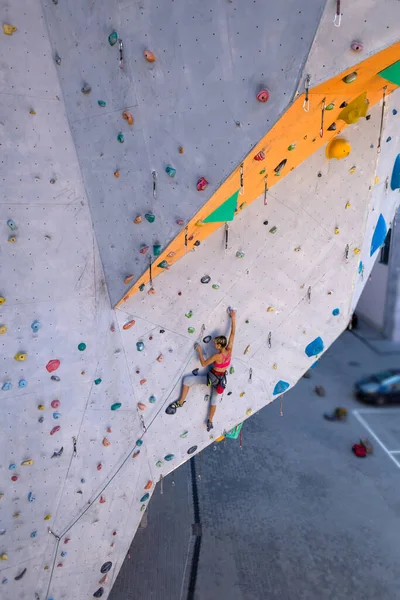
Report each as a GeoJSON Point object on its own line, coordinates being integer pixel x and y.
{"type": "Point", "coordinates": [144, 249]}
{"type": "Point", "coordinates": [55, 429]}
{"type": "Point", "coordinates": [52, 365]}
{"type": "Point", "coordinates": [143, 381]}
{"type": "Point", "coordinates": [14, 478]}
{"type": "Point", "coordinates": [202, 184]}
{"type": "Point", "coordinates": [102, 500]}
{"type": "Point", "coordinates": [148, 485]}
{"type": "Point", "coordinates": [260, 155]}
{"type": "Point", "coordinates": [67, 540]}
{"type": "Point", "coordinates": [99, 467]}
{"type": "Point", "coordinates": [359, 450]}
{"type": "Point", "coordinates": [263, 96]}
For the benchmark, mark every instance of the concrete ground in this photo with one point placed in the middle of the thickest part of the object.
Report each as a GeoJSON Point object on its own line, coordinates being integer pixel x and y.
{"type": "Point", "coordinates": [293, 514]}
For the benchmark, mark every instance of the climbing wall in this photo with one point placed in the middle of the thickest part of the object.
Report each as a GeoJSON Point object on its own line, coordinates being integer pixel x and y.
{"type": "Point", "coordinates": [84, 388]}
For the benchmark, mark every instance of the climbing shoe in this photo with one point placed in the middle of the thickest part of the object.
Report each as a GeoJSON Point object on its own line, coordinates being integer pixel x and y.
{"type": "Point", "coordinates": [209, 425]}
{"type": "Point", "coordinates": [171, 408]}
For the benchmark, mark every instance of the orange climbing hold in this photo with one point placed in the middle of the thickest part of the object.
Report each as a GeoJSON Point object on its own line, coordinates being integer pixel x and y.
{"type": "Point", "coordinates": [148, 485]}
{"type": "Point", "coordinates": [106, 442]}
{"type": "Point", "coordinates": [129, 324]}
{"type": "Point", "coordinates": [116, 174]}
{"type": "Point", "coordinates": [128, 278]}
{"type": "Point", "coordinates": [138, 220]}
{"type": "Point", "coordinates": [135, 454]}
{"type": "Point", "coordinates": [141, 406]}
{"type": "Point", "coordinates": [149, 56]}
{"type": "Point", "coordinates": [128, 117]}
{"type": "Point", "coordinates": [142, 382]}
{"type": "Point", "coordinates": [338, 148]}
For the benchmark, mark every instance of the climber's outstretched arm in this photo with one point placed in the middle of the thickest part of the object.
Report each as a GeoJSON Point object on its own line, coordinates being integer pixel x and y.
{"type": "Point", "coordinates": [206, 362]}
{"type": "Point", "coordinates": [232, 314]}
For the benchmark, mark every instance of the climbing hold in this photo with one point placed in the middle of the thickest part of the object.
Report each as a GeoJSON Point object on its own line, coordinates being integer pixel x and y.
{"type": "Point", "coordinates": [128, 279]}
{"type": "Point", "coordinates": [148, 485]}
{"type": "Point", "coordinates": [113, 38]}
{"type": "Point", "coordinates": [86, 89]}
{"type": "Point", "coordinates": [47, 518]}
{"type": "Point", "coordinates": [22, 383]}
{"type": "Point", "coordinates": [12, 466]}
{"type": "Point", "coordinates": [150, 217]}
{"type": "Point", "coordinates": [54, 404]}
{"type": "Point", "coordinates": [128, 117]}
{"type": "Point", "coordinates": [356, 109]}
{"type": "Point", "coordinates": [395, 180]}
{"type": "Point", "coordinates": [58, 453]}
{"type": "Point", "coordinates": [260, 156]}
{"type": "Point", "coordinates": [195, 372]}
{"type": "Point", "coordinates": [205, 279]}
{"type": "Point", "coordinates": [4, 556]}
{"type": "Point", "coordinates": [99, 467]}
{"type": "Point", "coordinates": [139, 346]}
{"type": "Point", "coordinates": [3, 329]}
{"type": "Point", "coordinates": [152, 399]}
{"type": "Point", "coordinates": [160, 358]}
{"type": "Point", "coordinates": [143, 381]}
{"type": "Point", "coordinates": [99, 593]}
{"type": "Point", "coordinates": [350, 77]}
{"type": "Point", "coordinates": [9, 29]}
{"type": "Point", "coordinates": [192, 449]}
{"type": "Point", "coordinates": [170, 171]}
{"type": "Point", "coordinates": [116, 406]}
{"type": "Point", "coordinates": [12, 239]}
{"type": "Point", "coordinates": [97, 381]}
{"type": "Point", "coordinates": [168, 457]}
{"type": "Point", "coordinates": [31, 497]}
{"type": "Point", "coordinates": [32, 112]}
{"type": "Point", "coordinates": [180, 222]}
{"type": "Point", "coordinates": [106, 442]}
{"type": "Point", "coordinates": [63, 553]}
{"type": "Point", "coordinates": [14, 478]}
{"type": "Point", "coordinates": [389, 139]}
{"type": "Point", "coordinates": [337, 230]}
{"type": "Point", "coordinates": [81, 346]}
{"type": "Point", "coordinates": [232, 370]}
{"type": "Point", "coordinates": [315, 347]}
{"type": "Point", "coordinates": [242, 394]}
{"type": "Point", "coordinates": [357, 46]}
{"type": "Point", "coordinates": [207, 339]}
{"type": "Point", "coordinates": [394, 112]}
{"type": "Point", "coordinates": [191, 330]}
{"type": "Point", "coordinates": [52, 365]}
{"type": "Point", "coordinates": [129, 324]}
{"type": "Point", "coordinates": [246, 349]}
{"type": "Point", "coordinates": [202, 183]}
{"type": "Point", "coordinates": [163, 264]}
{"type": "Point", "coordinates": [104, 579]}
{"type": "Point", "coordinates": [106, 567]}
{"type": "Point", "coordinates": [336, 312]}
{"type": "Point", "coordinates": [279, 167]}
{"type": "Point", "coordinates": [34, 534]}
{"type": "Point", "coordinates": [135, 454]}
{"type": "Point", "coordinates": [270, 309]}
{"type": "Point", "coordinates": [291, 147]}
{"type": "Point", "coordinates": [249, 412]}
{"type": "Point", "coordinates": [139, 443]}
{"type": "Point", "coordinates": [280, 387]}
{"type": "Point", "coordinates": [27, 463]}
{"type": "Point", "coordinates": [102, 500]}
{"type": "Point", "coordinates": [11, 225]}
{"type": "Point", "coordinates": [332, 127]}
{"type": "Point", "coordinates": [330, 106]}
{"type": "Point", "coordinates": [20, 356]}
{"type": "Point", "coordinates": [137, 220]}
{"type": "Point", "coordinates": [263, 96]}
{"type": "Point", "coordinates": [239, 254]}
{"type": "Point", "coordinates": [215, 286]}
{"type": "Point", "coordinates": [144, 249]}
{"type": "Point", "coordinates": [6, 386]}
{"type": "Point", "coordinates": [149, 56]}
{"type": "Point", "coordinates": [55, 429]}
{"type": "Point", "coordinates": [101, 103]}
{"type": "Point", "coordinates": [141, 406]}
{"type": "Point", "coordinates": [121, 138]}
{"type": "Point", "coordinates": [20, 576]}
{"type": "Point", "coordinates": [157, 250]}
{"type": "Point", "coordinates": [144, 498]}
{"type": "Point", "coordinates": [189, 314]}
{"type": "Point", "coordinates": [338, 148]}
{"type": "Point", "coordinates": [2, 300]}
{"type": "Point", "coordinates": [35, 326]}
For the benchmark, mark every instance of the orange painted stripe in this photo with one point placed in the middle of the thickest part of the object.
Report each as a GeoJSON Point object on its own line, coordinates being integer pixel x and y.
{"type": "Point", "coordinates": [295, 126]}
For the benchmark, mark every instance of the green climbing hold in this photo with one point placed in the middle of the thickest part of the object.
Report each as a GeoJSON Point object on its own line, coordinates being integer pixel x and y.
{"type": "Point", "coordinates": [262, 172]}
{"type": "Point", "coordinates": [215, 286]}
{"type": "Point", "coordinates": [101, 103]}
{"type": "Point", "coordinates": [171, 171]}
{"type": "Point", "coordinates": [163, 264]}
{"type": "Point", "coordinates": [113, 38]}
{"type": "Point", "coordinates": [184, 434]}
{"type": "Point", "coordinates": [144, 498]}
{"type": "Point", "coordinates": [81, 346]}
{"type": "Point", "coordinates": [191, 330]}
{"type": "Point", "coordinates": [189, 314]}
{"type": "Point", "coordinates": [239, 254]}
{"type": "Point", "coordinates": [116, 406]}
{"type": "Point", "coordinates": [121, 138]}
{"type": "Point", "coordinates": [156, 249]}
{"type": "Point", "coordinates": [139, 443]}
{"type": "Point", "coordinates": [150, 217]}
{"type": "Point", "coordinates": [97, 381]}
{"type": "Point", "coordinates": [159, 463]}
{"type": "Point", "coordinates": [330, 106]}
{"type": "Point", "coordinates": [350, 77]}
{"type": "Point", "coordinates": [292, 147]}
{"type": "Point", "coordinates": [232, 370]}
{"type": "Point", "coordinates": [169, 457]}
{"type": "Point", "coordinates": [152, 399]}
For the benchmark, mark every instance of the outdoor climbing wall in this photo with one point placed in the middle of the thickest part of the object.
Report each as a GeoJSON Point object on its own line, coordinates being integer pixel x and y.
{"type": "Point", "coordinates": [83, 445]}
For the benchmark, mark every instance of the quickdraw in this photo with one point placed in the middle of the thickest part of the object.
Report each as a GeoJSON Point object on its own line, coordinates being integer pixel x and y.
{"type": "Point", "coordinates": [306, 103]}
{"type": "Point", "coordinates": [338, 15]}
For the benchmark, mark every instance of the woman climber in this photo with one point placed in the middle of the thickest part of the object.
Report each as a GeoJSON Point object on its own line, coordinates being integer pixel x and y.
{"type": "Point", "coordinates": [215, 377]}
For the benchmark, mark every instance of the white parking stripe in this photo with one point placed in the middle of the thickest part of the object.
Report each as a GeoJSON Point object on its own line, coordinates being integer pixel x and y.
{"type": "Point", "coordinates": [368, 428]}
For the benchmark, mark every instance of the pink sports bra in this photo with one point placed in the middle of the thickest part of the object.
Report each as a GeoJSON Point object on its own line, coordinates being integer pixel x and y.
{"type": "Point", "coordinates": [225, 364]}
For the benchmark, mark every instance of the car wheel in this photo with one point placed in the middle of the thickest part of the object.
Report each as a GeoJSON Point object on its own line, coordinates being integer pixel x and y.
{"type": "Point", "coordinates": [380, 400]}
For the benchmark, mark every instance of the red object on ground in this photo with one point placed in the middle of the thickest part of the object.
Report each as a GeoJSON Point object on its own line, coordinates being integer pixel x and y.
{"type": "Point", "coordinates": [202, 184]}
{"type": "Point", "coordinates": [263, 96]}
{"type": "Point", "coordinates": [52, 365]}
{"type": "Point", "coordinates": [260, 155]}
{"type": "Point", "coordinates": [359, 450]}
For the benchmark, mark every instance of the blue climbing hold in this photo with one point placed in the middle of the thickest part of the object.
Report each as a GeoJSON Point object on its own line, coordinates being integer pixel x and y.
{"type": "Point", "coordinates": [33, 534]}
{"type": "Point", "coordinates": [6, 386]}
{"type": "Point", "coordinates": [5, 580]}
{"type": "Point", "coordinates": [395, 181]}
{"type": "Point", "coordinates": [12, 467]}
{"type": "Point", "coordinates": [315, 347]}
{"type": "Point", "coordinates": [378, 239]}
{"type": "Point", "coordinates": [389, 139]}
{"type": "Point", "coordinates": [83, 480]}
{"type": "Point", "coordinates": [22, 383]}
{"type": "Point", "coordinates": [31, 497]}
{"type": "Point", "coordinates": [336, 312]}
{"type": "Point", "coordinates": [360, 267]}
{"type": "Point", "coordinates": [139, 346]}
{"type": "Point", "coordinates": [394, 112]}
{"type": "Point", "coordinates": [11, 225]}
{"type": "Point", "coordinates": [144, 498]}
{"type": "Point", "coordinates": [63, 553]}
{"type": "Point", "coordinates": [35, 326]}
{"type": "Point", "coordinates": [116, 406]}
{"type": "Point", "coordinates": [281, 387]}
{"type": "Point", "coordinates": [169, 457]}
{"type": "Point", "coordinates": [139, 443]}
{"type": "Point", "coordinates": [121, 138]}
{"type": "Point", "coordinates": [56, 415]}
{"type": "Point", "coordinates": [152, 399]}
{"type": "Point", "coordinates": [171, 171]}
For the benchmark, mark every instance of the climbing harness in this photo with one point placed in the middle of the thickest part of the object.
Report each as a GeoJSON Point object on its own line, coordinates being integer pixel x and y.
{"type": "Point", "coordinates": [321, 131]}
{"type": "Point", "coordinates": [265, 189]}
{"type": "Point", "coordinates": [306, 103]}
{"type": "Point", "coordinates": [382, 117]}
{"type": "Point", "coordinates": [241, 180]}
{"type": "Point", "coordinates": [338, 16]}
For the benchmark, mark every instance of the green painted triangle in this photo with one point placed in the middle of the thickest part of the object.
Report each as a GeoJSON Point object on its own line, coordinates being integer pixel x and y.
{"type": "Point", "coordinates": [392, 73]}
{"type": "Point", "coordinates": [225, 212]}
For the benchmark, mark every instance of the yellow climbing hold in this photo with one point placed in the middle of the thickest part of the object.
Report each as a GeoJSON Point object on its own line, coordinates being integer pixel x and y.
{"type": "Point", "coordinates": [270, 309]}
{"type": "Point", "coordinates": [357, 250]}
{"type": "Point", "coordinates": [27, 463]}
{"type": "Point", "coordinates": [354, 110]}
{"type": "Point", "coordinates": [376, 180]}
{"type": "Point", "coordinates": [4, 556]}
{"type": "Point", "coordinates": [47, 518]}
{"type": "Point", "coordinates": [275, 366]}
{"type": "Point", "coordinates": [3, 329]}
{"type": "Point", "coordinates": [249, 412]}
{"type": "Point", "coordinates": [352, 170]}
{"type": "Point", "coordinates": [32, 112]}
{"type": "Point", "coordinates": [242, 394]}
{"type": "Point", "coordinates": [12, 239]}
{"type": "Point", "coordinates": [9, 29]}
{"type": "Point", "coordinates": [338, 148]}
{"type": "Point", "coordinates": [16, 515]}
{"type": "Point", "coordinates": [220, 438]}
{"type": "Point", "coordinates": [2, 300]}
{"type": "Point", "coordinates": [20, 356]}
{"type": "Point", "coordinates": [199, 223]}
{"type": "Point", "coordinates": [347, 205]}
{"type": "Point", "coordinates": [297, 249]}
{"type": "Point", "coordinates": [246, 349]}
{"type": "Point", "coordinates": [41, 407]}
{"type": "Point", "coordinates": [337, 230]}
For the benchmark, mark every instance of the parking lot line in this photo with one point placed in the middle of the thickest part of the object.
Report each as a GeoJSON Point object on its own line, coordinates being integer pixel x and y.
{"type": "Point", "coordinates": [361, 420]}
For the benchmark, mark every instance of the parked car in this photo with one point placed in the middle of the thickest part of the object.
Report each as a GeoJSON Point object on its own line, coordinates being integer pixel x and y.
{"type": "Point", "coordinates": [381, 388]}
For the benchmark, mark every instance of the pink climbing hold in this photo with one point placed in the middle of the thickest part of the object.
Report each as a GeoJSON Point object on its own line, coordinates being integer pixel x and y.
{"type": "Point", "coordinates": [52, 365]}
{"type": "Point", "coordinates": [55, 404]}
{"type": "Point", "coordinates": [260, 155]}
{"type": "Point", "coordinates": [202, 184]}
{"type": "Point", "coordinates": [180, 222]}
{"type": "Point", "coordinates": [144, 249]}
{"type": "Point", "coordinates": [263, 96]}
{"type": "Point", "coordinates": [102, 500]}
{"type": "Point", "coordinates": [104, 579]}
{"type": "Point", "coordinates": [99, 467]}
{"type": "Point", "coordinates": [55, 429]}
{"type": "Point", "coordinates": [357, 47]}
{"type": "Point", "coordinates": [67, 540]}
